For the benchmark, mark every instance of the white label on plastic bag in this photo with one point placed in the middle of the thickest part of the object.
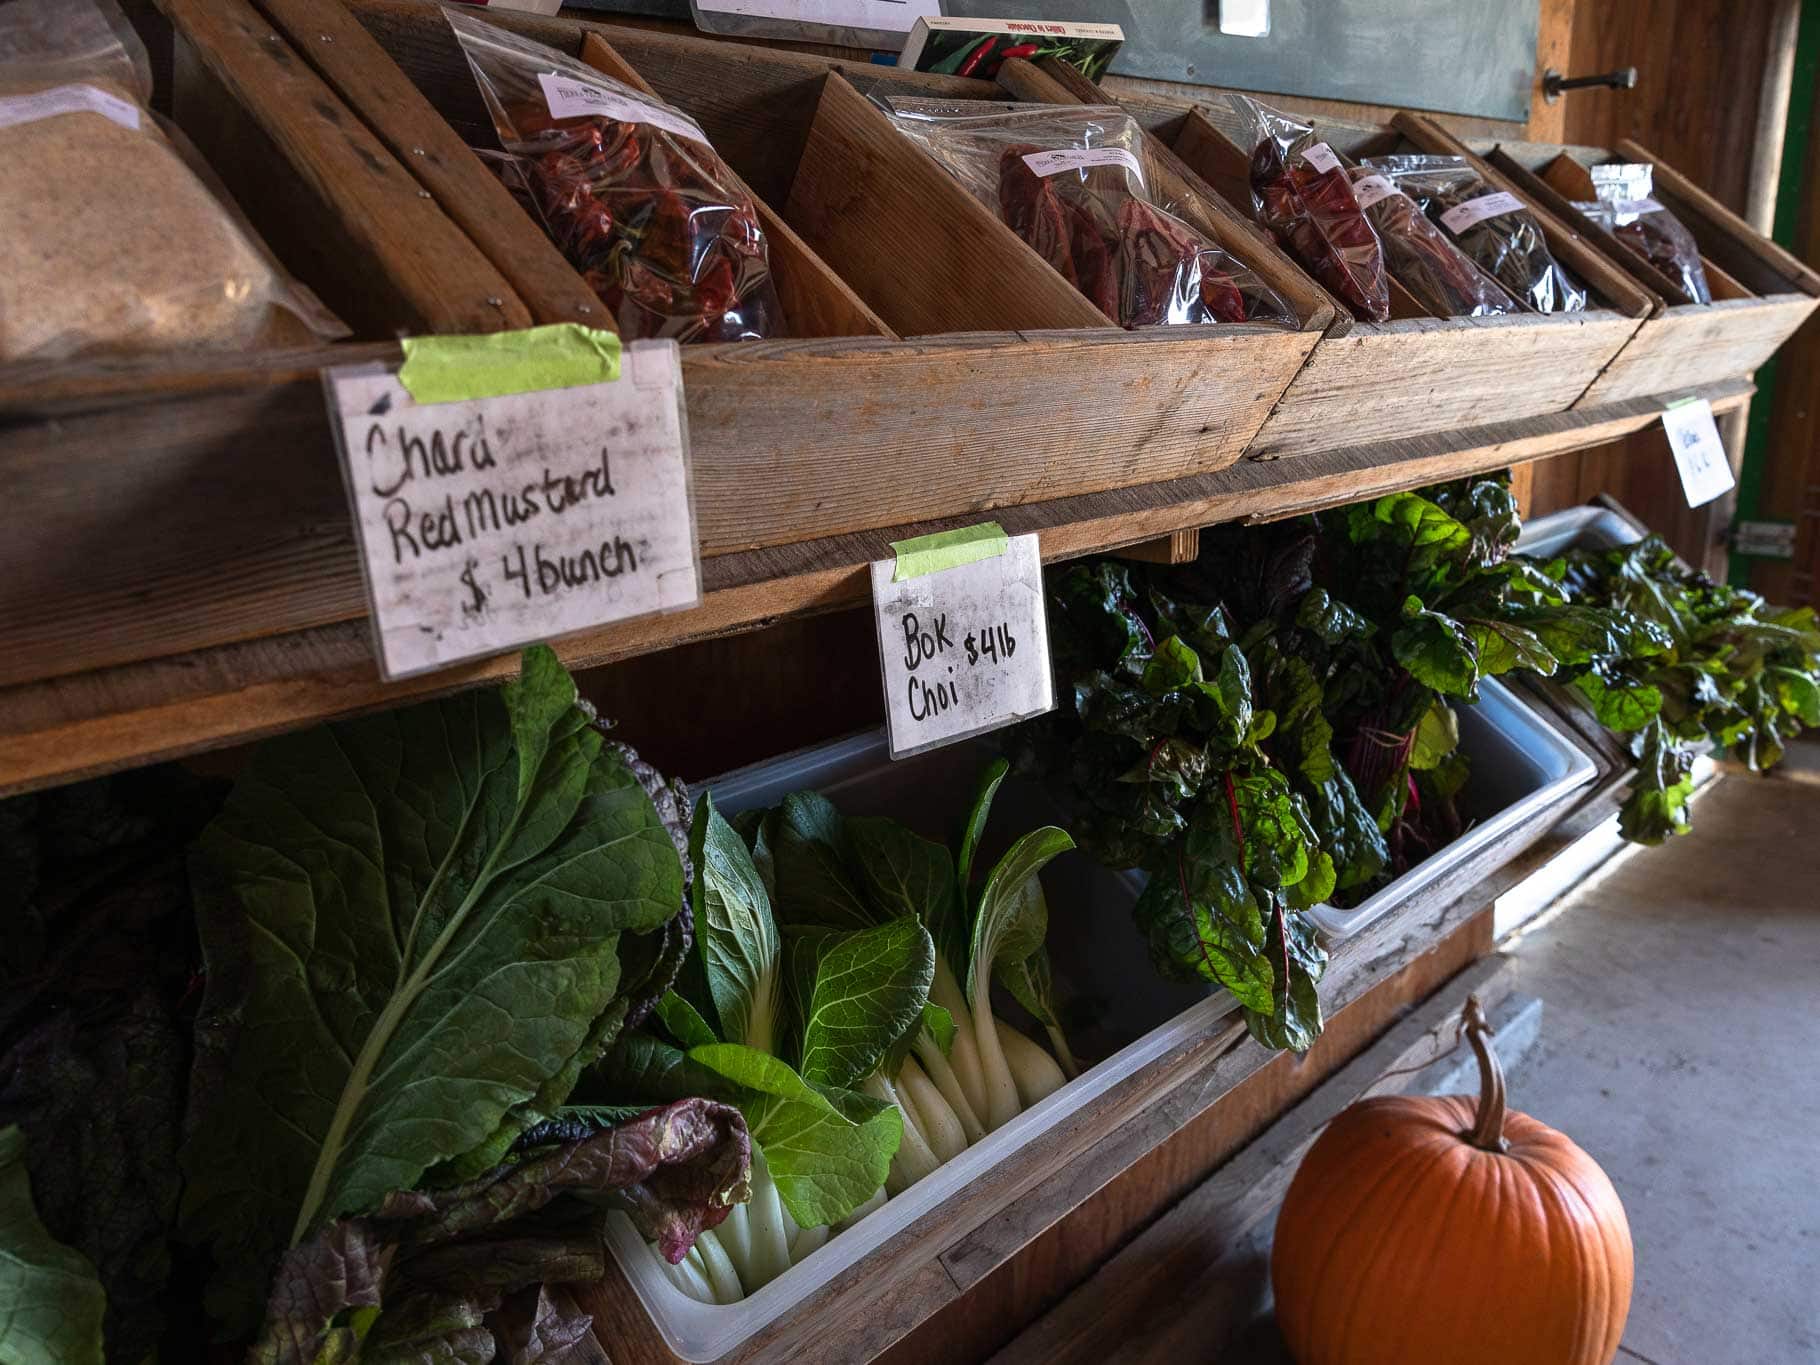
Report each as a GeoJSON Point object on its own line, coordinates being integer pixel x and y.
{"type": "Point", "coordinates": [1371, 189]}
{"type": "Point", "coordinates": [1462, 216]}
{"type": "Point", "coordinates": [492, 523]}
{"type": "Point", "coordinates": [1077, 158]}
{"type": "Point", "coordinates": [570, 98]}
{"type": "Point", "coordinates": [1699, 454]}
{"type": "Point", "coordinates": [962, 650]}
{"type": "Point", "coordinates": [68, 99]}
{"type": "Point", "coordinates": [1321, 157]}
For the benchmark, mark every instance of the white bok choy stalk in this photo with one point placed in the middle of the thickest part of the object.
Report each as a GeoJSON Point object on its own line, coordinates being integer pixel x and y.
{"type": "Point", "coordinates": [820, 1151]}
{"type": "Point", "coordinates": [966, 1072]}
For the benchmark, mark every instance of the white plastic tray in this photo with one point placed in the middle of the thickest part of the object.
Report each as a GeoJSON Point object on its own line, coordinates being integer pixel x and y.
{"type": "Point", "coordinates": [1520, 764]}
{"type": "Point", "coordinates": [1095, 954]}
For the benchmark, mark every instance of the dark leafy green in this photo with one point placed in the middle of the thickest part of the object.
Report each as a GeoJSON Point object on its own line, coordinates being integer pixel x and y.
{"type": "Point", "coordinates": [51, 1302]}
{"type": "Point", "coordinates": [1268, 728]}
{"type": "Point", "coordinates": [444, 1274]}
{"type": "Point", "coordinates": [419, 928]}
{"type": "Point", "coordinates": [1672, 660]}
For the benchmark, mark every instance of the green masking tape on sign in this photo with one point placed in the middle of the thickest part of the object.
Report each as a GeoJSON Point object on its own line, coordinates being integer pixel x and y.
{"type": "Point", "coordinates": [948, 550]}
{"type": "Point", "coordinates": [1682, 402]}
{"type": "Point", "coordinates": [563, 355]}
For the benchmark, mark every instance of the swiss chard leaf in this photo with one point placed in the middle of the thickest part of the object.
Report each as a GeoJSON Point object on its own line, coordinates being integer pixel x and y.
{"type": "Point", "coordinates": [1202, 921]}
{"type": "Point", "coordinates": [1655, 806]}
{"type": "Point", "coordinates": [1293, 1021]}
{"type": "Point", "coordinates": [51, 1303]}
{"type": "Point", "coordinates": [414, 920]}
{"type": "Point", "coordinates": [1437, 651]}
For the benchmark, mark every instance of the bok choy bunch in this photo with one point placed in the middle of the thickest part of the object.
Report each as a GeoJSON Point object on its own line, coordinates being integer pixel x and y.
{"type": "Point", "coordinates": [839, 995]}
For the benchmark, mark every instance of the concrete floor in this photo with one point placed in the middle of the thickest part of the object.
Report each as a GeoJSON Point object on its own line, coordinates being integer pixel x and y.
{"type": "Point", "coordinates": [1680, 1034]}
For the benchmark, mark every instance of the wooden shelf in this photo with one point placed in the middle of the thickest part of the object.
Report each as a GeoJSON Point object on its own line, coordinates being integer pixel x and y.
{"type": "Point", "coordinates": [164, 703]}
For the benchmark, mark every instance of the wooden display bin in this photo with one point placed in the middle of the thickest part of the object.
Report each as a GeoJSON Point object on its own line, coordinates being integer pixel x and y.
{"type": "Point", "coordinates": [228, 524]}
{"type": "Point", "coordinates": [1761, 293]}
{"type": "Point", "coordinates": [1416, 374]}
{"type": "Point", "coordinates": [934, 263]}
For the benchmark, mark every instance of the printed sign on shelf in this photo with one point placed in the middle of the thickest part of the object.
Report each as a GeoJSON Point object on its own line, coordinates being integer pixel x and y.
{"type": "Point", "coordinates": [1699, 454]}
{"type": "Point", "coordinates": [489, 523]}
{"type": "Point", "coordinates": [963, 639]}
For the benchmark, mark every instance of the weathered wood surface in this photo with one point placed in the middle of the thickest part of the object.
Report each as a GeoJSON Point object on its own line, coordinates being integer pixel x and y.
{"type": "Point", "coordinates": [1701, 343]}
{"type": "Point", "coordinates": [291, 559]}
{"type": "Point", "coordinates": [1178, 547]}
{"type": "Point", "coordinates": [1414, 374]}
{"type": "Point", "coordinates": [207, 541]}
{"type": "Point", "coordinates": [1418, 375]}
{"type": "Point", "coordinates": [1168, 1295]}
{"type": "Point", "coordinates": [329, 165]}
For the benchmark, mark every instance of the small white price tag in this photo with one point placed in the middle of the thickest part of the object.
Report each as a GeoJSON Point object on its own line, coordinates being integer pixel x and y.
{"type": "Point", "coordinates": [963, 650]}
{"type": "Point", "coordinates": [486, 524]}
{"type": "Point", "coordinates": [567, 97]}
{"type": "Point", "coordinates": [1693, 437]}
{"type": "Point", "coordinates": [1462, 216]}
{"type": "Point", "coordinates": [1321, 157]}
{"type": "Point", "coordinates": [1372, 189]}
{"type": "Point", "coordinates": [1078, 158]}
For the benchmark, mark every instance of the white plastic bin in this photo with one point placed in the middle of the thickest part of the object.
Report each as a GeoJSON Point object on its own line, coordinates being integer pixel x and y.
{"type": "Point", "coordinates": [1100, 961]}
{"type": "Point", "coordinates": [1520, 765]}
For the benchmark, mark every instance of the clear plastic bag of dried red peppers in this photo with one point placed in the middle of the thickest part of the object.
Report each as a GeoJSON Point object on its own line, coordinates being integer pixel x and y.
{"type": "Point", "coordinates": [1300, 191]}
{"type": "Point", "coordinates": [1424, 261]}
{"type": "Point", "coordinates": [630, 191]}
{"type": "Point", "coordinates": [1626, 209]}
{"type": "Point", "coordinates": [1072, 181]}
{"type": "Point", "coordinates": [1491, 226]}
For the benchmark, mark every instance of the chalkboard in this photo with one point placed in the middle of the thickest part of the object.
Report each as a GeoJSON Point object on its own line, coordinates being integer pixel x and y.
{"type": "Point", "coordinates": [1452, 56]}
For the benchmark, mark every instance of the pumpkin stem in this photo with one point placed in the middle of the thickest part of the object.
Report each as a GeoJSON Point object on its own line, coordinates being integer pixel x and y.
{"type": "Point", "coordinates": [1488, 1129]}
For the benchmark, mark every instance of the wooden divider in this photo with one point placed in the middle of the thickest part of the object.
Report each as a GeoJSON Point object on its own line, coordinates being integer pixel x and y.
{"type": "Point", "coordinates": [927, 254]}
{"type": "Point", "coordinates": [329, 197]}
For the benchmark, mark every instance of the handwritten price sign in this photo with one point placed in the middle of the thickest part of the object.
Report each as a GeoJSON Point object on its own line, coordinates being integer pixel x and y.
{"type": "Point", "coordinates": [964, 646]}
{"type": "Point", "coordinates": [1693, 438]}
{"type": "Point", "coordinates": [489, 523]}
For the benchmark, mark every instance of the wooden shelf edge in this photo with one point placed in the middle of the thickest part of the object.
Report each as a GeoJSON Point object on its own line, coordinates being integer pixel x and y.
{"type": "Point", "coordinates": [84, 724]}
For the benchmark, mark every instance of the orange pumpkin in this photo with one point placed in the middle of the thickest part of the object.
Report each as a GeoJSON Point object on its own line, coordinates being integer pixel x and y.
{"type": "Point", "coordinates": [1421, 1232]}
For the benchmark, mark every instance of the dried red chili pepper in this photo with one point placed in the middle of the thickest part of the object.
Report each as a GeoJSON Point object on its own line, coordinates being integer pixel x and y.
{"type": "Point", "coordinates": [629, 190]}
{"type": "Point", "coordinates": [1422, 257]}
{"type": "Point", "coordinates": [1301, 192]}
{"type": "Point", "coordinates": [1658, 237]}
